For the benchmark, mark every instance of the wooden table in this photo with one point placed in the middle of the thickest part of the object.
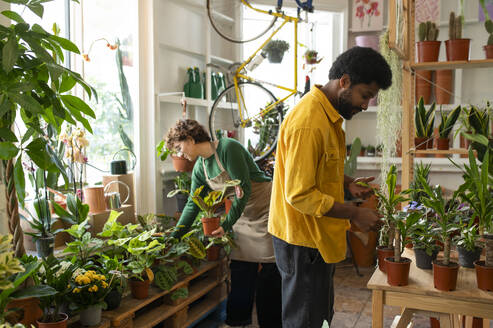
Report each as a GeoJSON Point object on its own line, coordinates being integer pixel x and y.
{"type": "Point", "coordinates": [420, 294]}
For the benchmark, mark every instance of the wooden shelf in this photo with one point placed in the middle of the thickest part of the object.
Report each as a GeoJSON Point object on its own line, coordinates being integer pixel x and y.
{"type": "Point", "coordinates": [202, 309]}
{"type": "Point", "coordinates": [441, 152]}
{"type": "Point", "coordinates": [475, 63]}
{"type": "Point", "coordinates": [195, 102]}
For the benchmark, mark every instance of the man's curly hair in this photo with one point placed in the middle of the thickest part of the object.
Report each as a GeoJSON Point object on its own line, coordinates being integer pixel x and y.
{"type": "Point", "coordinates": [184, 129]}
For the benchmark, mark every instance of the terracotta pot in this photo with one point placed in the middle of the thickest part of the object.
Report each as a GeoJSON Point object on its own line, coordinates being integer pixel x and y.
{"type": "Point", "coordinates": [140, 289]}
{"type": "Point", "coordinates": [382, 253]}
{"type": "Point", "coordinates": [209, 225]}
{"type": "Point", "coordinates": [434, 323]}
{"type": "Point", "coordinates": [457, 49]}
{"type": "Point", "coordinates": [213, 253]}
{"type": "Point", "coordinates": [445, 277]}
{"type": "Point", "coordinates": [484, 276]}
{"type": "Point", "coordinates": [398, 272]}
{"type": "Point", "coordinates": [443, 144]}
{"type": "Point", "coordinates": [28, 310]}
{"type": "Point", "coordinates": [364, 255]}
{"type": "Point", "coordinates": [59, 324]}
{"type": "Point", "coordinates": [428, 51]}
{"type": "Point", "coordinates": [423, 260]}
{"type": "Point", "coordinates": [181, 164]}
{"type": "Point", "coordinates": [443, 86]}
{"type": "Point", "coordinates": [420, 144]}
{"type": "Point", "coordinates": [488, 49]}
{"type": "Point", "coordinates": [423, 87]}
{"type": "Point", "coordinates": [464, 144]}
{"type": "Point", "coordinates": [94, 197]}
{"type": "Point", "coordinates": [429, 144]}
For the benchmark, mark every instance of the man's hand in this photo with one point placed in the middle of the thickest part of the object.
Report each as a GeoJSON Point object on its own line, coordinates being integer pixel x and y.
{"type": "Point", "coordinates": [359, 191]}
{"type": "Point", "coordinates": [219, 232]}
{"type": "Point", "coordinates": [365, 219]}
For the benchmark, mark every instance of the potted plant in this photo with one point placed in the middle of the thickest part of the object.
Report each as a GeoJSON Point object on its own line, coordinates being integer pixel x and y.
{"type": "Point", "coordinates": [424, 244]}
{"type": "Point", "coordinates": [398, 267]}
{"type": "Point", "coordinates": [476, 191]}
{"type": "Point", "coordinates": [141, 251]}
{"type": "Point", "coordinates": [468, 245]}
{"type": "Point", "coordinates": [428, 47]}
{"type": "Point", "coordinates": [113, 266]}
{"type": "Point", "coordinates": [180, 163]}
{"type": "Point", "coordinates": [445, 216]}
{"type": "Point", "coordinates": [370, 151]}
{"type": "Point", "coordinates": [88, 291]}
{"type": "Point", "coordinates": [208, 204]}
{"type": "Point", "coordinates": [424, 122]}
{"type": "Point", "coordinates": [182, 182]}
{"type": "Point", "coordinates": [456, 47]}
{"type": "Point", "coordinates": [488, 25]}
{"type": "Point", "coordinates": [482, 138]}
{"type": "Point", "coordinates": [388, 202]}
{"type": "Point", "coordinates": [464, 128]}
{"type": "Point", "coordinates": [275, 50]}
{"type": "Point", "coordinates": [445, 128]}
{"type": "Point", "coordinates": [83, 245]}
{"type": "Point", "coordinates": [311, 57]}
{"type": "Point", "coordinates": [378, 150]}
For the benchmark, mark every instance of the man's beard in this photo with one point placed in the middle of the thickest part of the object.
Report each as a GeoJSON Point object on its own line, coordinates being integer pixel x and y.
{"type": "Point", "coordinates": [345, 106]}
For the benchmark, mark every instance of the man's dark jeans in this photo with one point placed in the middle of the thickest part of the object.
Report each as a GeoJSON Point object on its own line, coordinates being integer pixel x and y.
{"type": "Point", "coordinates": [307, 285]}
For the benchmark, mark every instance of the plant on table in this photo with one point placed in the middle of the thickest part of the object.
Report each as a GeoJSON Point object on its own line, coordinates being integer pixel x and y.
{"type": "Point", "coordinates": [83, 245]}
{"type": "Point", "coordinates": [468, 243]}
{"type": "Point", "coordinates": [424, 243]}
{"type": "Point", "coordinates": [113, 266]}
{"type": "Point", "coordinates": [114, 230]}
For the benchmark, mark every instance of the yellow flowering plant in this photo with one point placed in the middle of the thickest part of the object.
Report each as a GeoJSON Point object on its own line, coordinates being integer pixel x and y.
{"type": "Point", "coordinates": [89, 288]}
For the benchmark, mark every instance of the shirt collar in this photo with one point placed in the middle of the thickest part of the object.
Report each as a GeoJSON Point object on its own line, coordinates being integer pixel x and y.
{"type": "Point", "coordinates": [331, 112]}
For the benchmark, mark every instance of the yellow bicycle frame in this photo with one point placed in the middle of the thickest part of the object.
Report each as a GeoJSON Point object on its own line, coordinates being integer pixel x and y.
{"type": "Point", "coordinates": [239, 75]}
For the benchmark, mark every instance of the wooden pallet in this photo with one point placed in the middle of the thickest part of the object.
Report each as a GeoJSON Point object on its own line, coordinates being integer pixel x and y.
{"type": "Point", "coordinates": [206, 288]}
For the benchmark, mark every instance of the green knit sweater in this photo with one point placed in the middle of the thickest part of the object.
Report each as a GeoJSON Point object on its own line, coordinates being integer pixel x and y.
{"type": "Point", "coordinates": [239, 164]}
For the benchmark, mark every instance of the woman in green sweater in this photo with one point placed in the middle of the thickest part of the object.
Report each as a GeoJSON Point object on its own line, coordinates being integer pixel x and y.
{"type": "Point", "coordinates": [218, 162]}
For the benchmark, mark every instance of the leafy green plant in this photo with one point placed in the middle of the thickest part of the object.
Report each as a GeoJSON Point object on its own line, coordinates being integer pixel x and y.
{"type": "Point", "coordinates": [420, 170]}
{"type": "Point", "coordinates": [448, 122]}
{"type": "Point", "coordinates": [83, 244]}
{"type": "Point", "coordinates": [163, 152]}
{"type": "Point", "coordinates": [424, 119]}
{"type": "Point", "coordinates": [422, 237]}
{"type": "Point", "coordinates": [76, 212]}
{"type": "Point", "coordinates": [277, 45]}
{"type": "Point", "coordinates": [469, 236]}
{"type": "Point", "coordinates": [183, 181]}
{"type": "Point", "coordinates": [167, 274]}
{"type": "Point", "coordinates": [482, 138]}
{"type": "Point", "coordinates": [428, 31]}
{"type": "Point", "coordinates": [211, 202]}
{"type": "Point", "coordinates": [404, 223]}
{"type": "Point", "coordinates": [113, 266]}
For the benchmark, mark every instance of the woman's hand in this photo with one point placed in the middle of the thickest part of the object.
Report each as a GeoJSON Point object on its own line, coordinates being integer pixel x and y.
{"type": "Point", "coordinates": [219, 232]}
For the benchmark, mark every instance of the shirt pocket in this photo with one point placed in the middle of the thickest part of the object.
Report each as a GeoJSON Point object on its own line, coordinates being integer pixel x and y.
{"type": "Point", "coordinates": [329, 171]}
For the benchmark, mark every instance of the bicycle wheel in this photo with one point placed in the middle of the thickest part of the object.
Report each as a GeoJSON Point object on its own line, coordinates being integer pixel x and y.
{"type": "Point", "coordinates": [260, 135]}
{"type": "Point", "coordinates": [221, 15]}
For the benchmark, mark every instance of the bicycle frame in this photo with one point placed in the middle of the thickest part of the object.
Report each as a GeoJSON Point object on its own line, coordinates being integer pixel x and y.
{"type": "Point", "coordinates": [239, 75]}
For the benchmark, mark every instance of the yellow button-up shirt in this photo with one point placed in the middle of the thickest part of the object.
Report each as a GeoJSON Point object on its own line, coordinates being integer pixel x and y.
{"type": "Point", "coordinates": [309, 178]}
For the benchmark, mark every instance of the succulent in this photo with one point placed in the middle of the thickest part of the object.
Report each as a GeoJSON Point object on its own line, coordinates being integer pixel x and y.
{"type": "Point", "coordinates": [428, 31]}
{"type": "Point", "coordinates": [489, 28]}
{"type": "Point", "coordinates": [455, 26]}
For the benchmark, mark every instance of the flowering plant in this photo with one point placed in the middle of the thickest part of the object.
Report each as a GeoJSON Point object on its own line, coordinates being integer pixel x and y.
{"type": "Point", "coordinates": [88, 288]}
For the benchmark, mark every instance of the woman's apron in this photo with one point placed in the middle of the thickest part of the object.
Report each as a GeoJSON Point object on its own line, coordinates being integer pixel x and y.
{"type": "Point", "coordinates": [251, 236]}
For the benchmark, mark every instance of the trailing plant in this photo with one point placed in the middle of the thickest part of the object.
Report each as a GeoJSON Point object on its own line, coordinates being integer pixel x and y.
{"type": "Point", "coordinates": [448, 121]}
{"type": "Point", "coordinates": [488, 23]}
{"type": "Point", "coordinates": [83, 245]}
{"type": "Point", "coordinates": [428, 31]}
{"type": "Point", "coordinates": [455, 26]}
{"type": "Point", "coordinates": [424, 119]}
{"type": "Point", "coordinates": [389, 115]}
{"type": "Point", "coordinates": [404, 223]}
{"type": "Point", "coordinates": [209, 203]}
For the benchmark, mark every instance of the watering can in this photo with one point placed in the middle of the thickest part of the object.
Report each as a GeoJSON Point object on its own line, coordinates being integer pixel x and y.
{"type": "Point", "coordinates": [113, 199]}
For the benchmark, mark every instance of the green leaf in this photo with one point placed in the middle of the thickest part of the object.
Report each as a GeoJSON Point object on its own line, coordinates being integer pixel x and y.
{"type": "Point", "coordinates": [8, 150]}
{"type": "Point", "coordinates": [36, 8]}
{"type": "Point", "coordinates": [34, 291]}
{"type": "Point", "coordinates": [7, 135]}
{"type": "Point", "coordinates": [10, 53]}
{"type": "Point", "coordinates": [67, 84]}
{"type": "Point", "coordinates": [477, 138]}
{"type": "Point", "coordinates": [13, 16]}
{"type": "Point", "coordinates": [78, 104]}
{"type": "Point", "coordinates": [19, 180]}
{"type": "Point", "coordinates": [66, 44]}
{"type": "Point", "coordinates": [36, 150]}
{"type": "Point", "coordinates": [26, 102]}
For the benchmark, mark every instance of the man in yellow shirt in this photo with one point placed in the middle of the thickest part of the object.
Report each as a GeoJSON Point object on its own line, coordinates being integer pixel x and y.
{"type": "Point", "coordinates": [308, 218]}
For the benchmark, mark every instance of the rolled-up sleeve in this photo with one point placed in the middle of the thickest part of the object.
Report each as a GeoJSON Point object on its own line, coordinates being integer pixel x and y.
{"type": "Point", "coordinates": [301, 163]}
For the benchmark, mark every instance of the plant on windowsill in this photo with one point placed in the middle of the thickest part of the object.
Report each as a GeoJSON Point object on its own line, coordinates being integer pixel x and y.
{"type": "Point", "coordinates": [275, 50]}
{"type": "Point", "coordinates": [445, 128]}
{"type": "Point", "coordinates": [208, 204]}
{"type": "Point", "coordinates": [370, 151]}
{"type": "Point", "coordinates": [180, 163]}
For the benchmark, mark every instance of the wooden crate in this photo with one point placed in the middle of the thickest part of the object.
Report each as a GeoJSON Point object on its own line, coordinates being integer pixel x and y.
{"type": "Point", "coordinates": [204, 293]}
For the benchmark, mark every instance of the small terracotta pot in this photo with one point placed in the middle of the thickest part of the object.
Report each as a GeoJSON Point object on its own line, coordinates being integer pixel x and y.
{"type": "Point", "coordinates": [457, 49]}
{"type": "Point", "coordinates": [94, 197]}
{"type": "Point", "coordinates": [140, 289]}
{"type": "Point", "coordinates": [213, 253]}
{"type": "Point", "coordinates": [429, 144]}
{"type": "Point", "coordinates": [181, 164]}
{"type": "Point", "coordinates": [443, 144]}
{"type": "Point", "coordinates": [423, 87]}
{"type": "Point", "coordinates": [443, 86]}
{"type": "Point", "coordinates": [397, 272]}
{"type": "Point", "coordinates": [464, 144]}
{"type": "Point", "coordinates": [364, 255]}
{"type": "Point", "coordinates": [484, 276]}
{"type": "Point", "coordinates": [488, 49]}
{"type": "Point", "coordinates": [209, 225]}
{"type": "Point", "coordinates": [420, 144]}
{"type": "Point", "coordinates": [445, 277]}
{"type": "Point", "coordinates": [59, 324]}
{"type": "Point", "coordinates": [428, 51]}
{"type": "Point", "coordinates": [382, 253]}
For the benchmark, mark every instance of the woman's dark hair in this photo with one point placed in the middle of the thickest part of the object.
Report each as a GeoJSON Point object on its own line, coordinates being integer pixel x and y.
{"type": "Point", "coordinates": [184, 129]}
{"type": "Point", "coordinates": [363, 65]}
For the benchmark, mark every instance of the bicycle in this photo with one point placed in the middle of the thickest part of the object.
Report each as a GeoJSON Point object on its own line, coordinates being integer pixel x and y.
{"type": "Point", "coordinates": [247, 107]}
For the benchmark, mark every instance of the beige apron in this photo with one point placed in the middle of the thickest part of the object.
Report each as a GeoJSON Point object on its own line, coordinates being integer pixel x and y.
{"type": "Point", "coordinates": [251, 236]}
